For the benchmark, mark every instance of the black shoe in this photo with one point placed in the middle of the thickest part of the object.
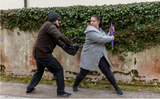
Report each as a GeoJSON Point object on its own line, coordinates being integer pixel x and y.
{"type": "Point", "coordinates": [29, 91]}
{"type": "Point", "coordinates": [119, 92]}
{"type": "Point", "coordinates": [75, 90]}
{"type": "Point", "coordinates": [65, 95]}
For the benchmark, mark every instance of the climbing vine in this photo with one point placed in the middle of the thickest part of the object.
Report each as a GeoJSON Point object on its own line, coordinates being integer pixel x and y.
{"type": "Point", "coordinates": [137, 28]}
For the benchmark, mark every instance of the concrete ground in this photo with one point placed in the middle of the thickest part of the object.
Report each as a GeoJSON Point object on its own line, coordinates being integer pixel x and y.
{"type": "Point", "coordinates": [44, 91]}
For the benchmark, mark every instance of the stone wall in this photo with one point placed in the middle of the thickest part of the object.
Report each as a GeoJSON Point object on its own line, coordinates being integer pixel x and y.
{"type": "Point", "coordinates": [16, 57]}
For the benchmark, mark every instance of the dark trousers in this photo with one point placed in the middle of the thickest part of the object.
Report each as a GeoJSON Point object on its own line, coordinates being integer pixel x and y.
{"type": "Point", "coordinates": [104, 67]}
{"type": "Point", "coordinates": [54, 67]}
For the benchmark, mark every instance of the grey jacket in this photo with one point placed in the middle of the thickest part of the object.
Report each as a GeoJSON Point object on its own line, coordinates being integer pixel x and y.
{"type": "Point", "coordinates": [94, 48]}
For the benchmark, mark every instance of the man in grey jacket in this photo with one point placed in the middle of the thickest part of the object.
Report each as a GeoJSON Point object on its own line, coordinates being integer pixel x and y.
{"type": "Point", "coordinates": [49, 36]}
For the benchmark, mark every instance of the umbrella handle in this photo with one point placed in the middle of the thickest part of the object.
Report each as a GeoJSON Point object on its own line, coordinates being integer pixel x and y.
{"type": "Point", "coordinates": [112, 23]}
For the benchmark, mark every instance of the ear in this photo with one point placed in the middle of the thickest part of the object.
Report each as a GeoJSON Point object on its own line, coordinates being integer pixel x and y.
{"type": "Point", "coordinates": [98, 22]}
{"type": "Point", "coordinates": [54, 21]}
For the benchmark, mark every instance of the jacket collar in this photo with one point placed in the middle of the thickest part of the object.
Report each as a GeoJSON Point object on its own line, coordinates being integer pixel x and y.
{"type": "Point", "coordinates": [91, 25]}
{"type": "Point", "coordinates": [92, 28]}
{"type": "Point", "coordinates": [55, 25]}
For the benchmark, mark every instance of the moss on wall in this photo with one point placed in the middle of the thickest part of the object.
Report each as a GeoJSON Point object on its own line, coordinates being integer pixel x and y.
{"type": "Point", "coordinates": [85, 83]}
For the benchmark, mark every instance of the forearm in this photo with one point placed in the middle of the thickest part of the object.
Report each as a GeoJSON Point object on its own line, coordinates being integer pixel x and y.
{"type": "Point", "coordinates": [60, 43]}
{"type": "Point", "coordinates": [109, 34]}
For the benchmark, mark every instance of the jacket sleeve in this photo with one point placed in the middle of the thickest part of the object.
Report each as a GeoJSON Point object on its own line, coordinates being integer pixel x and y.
{"type": "Point", "coordinates": [99, 38]}
{"type": "Point", "coordinates": [53, 30]}
{"type": "Point", "coordinates": [109, 34]}
{"type": "Point", "coordinates": [60, 43]}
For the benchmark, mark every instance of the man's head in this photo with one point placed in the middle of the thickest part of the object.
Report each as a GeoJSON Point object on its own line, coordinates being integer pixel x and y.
{"type": "Point", "coordinates": [54, 17]}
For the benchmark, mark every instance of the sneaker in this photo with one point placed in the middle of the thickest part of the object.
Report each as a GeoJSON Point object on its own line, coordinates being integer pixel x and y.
{"type": "Point", "coordinates": [65, 95]}
{"type": "Point", "coordinates": [29, 91]}
{"type": "Point", "coordinates": [119, 92]}
{"type": "Point", "coordinates": [75, 89]}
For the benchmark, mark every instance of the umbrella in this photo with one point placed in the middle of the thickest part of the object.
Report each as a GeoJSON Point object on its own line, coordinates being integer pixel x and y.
{"type": "Point", "coordinates": [111, 31]}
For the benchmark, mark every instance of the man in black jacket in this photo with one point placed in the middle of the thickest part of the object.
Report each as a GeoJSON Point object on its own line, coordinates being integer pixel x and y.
{"type": "Point", "coordinates": [49, 36]}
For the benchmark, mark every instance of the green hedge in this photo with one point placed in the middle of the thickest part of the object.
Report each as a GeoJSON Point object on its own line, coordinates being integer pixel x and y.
{"type": "Point", "coordinates": [138, 24]}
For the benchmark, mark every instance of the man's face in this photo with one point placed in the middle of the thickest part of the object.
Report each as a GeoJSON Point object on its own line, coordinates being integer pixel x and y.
{"type": "Point", "coordinates": [57, 22]}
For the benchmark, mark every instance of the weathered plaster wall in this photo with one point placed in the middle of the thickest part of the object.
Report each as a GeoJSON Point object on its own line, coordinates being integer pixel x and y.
{"type": "Point", "coordinates": [16, 56]}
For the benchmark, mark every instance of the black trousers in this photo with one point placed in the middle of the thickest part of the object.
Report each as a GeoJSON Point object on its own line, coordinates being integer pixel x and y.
{"type": "Point", "coordinates": [54, 67]}
{"type": "Point", "coordinates": [104, 67]}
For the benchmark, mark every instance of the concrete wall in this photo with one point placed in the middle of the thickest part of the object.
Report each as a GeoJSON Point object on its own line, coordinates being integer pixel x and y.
{"type": "Point", "coordinates": [16, 57]}
{"type": "Point", "coordinates": [51, 3]}
{"type": "Point", "coordinates": [13, 4]}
